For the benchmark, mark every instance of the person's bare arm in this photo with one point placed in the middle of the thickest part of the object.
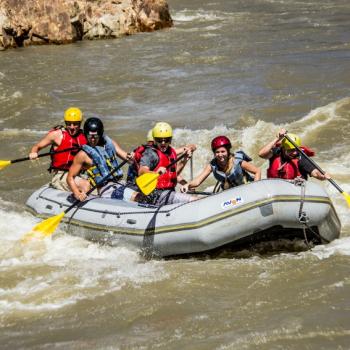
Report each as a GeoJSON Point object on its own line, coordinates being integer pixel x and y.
{"type": "Point", "coordinates": [78, 163]}
{"type": "Point", "coordinates": [251, 168]}
{"type": "Point", "coordinates": [190, 147]}
{"type": "Point", "coordinates": [52, 138]}
{"type": "Point", "coordinates": [197, 180]}
{"type": "Point", "coordinates": [121, 153]}
{"type": "Point", "coordinates": [266, 151]}
{"type": "Point", "coordinates": [318, 175]}
{"type": "Point", "coordinates": [144, 169]}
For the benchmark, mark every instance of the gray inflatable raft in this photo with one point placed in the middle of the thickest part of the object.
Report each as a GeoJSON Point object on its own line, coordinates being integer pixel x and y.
{"type": "Point", "coordinates": [269, 208]}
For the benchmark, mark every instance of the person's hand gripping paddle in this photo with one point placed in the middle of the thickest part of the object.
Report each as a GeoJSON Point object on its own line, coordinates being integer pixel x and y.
{"type": "Point", "coordinates": [147, 182]}
{"type": "Point", "coordinates": [346, 195]}
{"type": "Point", "coordinates": [5, 163]}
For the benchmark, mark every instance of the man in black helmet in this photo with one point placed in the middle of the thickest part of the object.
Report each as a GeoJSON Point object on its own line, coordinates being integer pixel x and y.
{"type": "Point", "coordinates": [97, 158]}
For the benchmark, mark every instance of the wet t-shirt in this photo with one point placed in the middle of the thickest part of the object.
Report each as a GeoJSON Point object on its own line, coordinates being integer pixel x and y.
{"type": "Point", "coordinates": [149, 158]}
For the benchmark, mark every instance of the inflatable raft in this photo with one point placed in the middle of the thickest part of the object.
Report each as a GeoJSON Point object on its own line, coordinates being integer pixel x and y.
{"type": "Point", "coordinates": [267, 209]}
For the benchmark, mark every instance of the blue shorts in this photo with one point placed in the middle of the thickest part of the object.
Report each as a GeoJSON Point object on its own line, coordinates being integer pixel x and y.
{"type": "Point", "coordinates": [117, 191]}
{"type": "Point", "coordinates": [122, 193]}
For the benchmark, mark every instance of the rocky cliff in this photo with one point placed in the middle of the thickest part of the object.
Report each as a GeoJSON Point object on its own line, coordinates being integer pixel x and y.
{"type": "Point", "coordinates": [27, 22]}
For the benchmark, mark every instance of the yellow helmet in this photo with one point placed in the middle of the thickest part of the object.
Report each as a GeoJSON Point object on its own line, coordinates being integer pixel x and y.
{"type": "Point", "coordinates": [150, 136]}
{"type": "Point", "coordinates": [162, 129]}
{"type": "Point", "coordinates": [288, 145]}
{"type": "Point", "coordinates": [73, 114]}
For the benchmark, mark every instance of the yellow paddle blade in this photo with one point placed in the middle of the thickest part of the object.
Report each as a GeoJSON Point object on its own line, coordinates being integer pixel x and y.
{"type": "Point", "coordinates": [4, 164]}
{"type": "Point", "coordinates": [44, 229]}
{"type": "Point", "coordinates": [147, 182]}
{"type": "Point", "coordinates": [347, 197]}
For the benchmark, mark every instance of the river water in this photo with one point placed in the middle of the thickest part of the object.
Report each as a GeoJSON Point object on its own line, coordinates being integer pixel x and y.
{"type": "Point", "coordinates": [242, 68]}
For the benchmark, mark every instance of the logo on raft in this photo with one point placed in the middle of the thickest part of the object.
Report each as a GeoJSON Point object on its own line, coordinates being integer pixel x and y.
{"type": "Point", "coordinates": [231, 202]}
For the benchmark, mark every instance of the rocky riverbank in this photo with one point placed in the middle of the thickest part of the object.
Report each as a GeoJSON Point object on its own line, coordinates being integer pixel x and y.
{"type": "Point", "coordinates": [28, 22]}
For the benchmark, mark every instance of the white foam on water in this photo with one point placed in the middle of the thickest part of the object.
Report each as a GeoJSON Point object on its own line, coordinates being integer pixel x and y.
{"type": "Point", "coordinates": [5, 97]}
{"type": "Point", "coordinates": [18, 132]}
{"type": "Point", "coordinates": [17, 94]}
{"type": "Point", "coordinates": [71, 268]}
{"type": "Point", "coordinates": [12, 223]}
{"type": "Point", "coordinates": [290, 330]}
{"type": "Point", "coordinates": [339, 246]}
{"type": "Point", "coordinates": [213, 27]}
{"type": "Point", "coordinates": [198, 15]}
{"type": "Point", "coordinates": [9, 307]}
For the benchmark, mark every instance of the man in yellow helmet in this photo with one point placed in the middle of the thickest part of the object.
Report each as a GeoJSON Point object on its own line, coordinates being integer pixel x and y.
{"type": "Point", "coordinates": [157, 158]}
{"type": "Point", "coordinates": [286, 162]}
{"type": "Point", "coordinates": [69, 137]}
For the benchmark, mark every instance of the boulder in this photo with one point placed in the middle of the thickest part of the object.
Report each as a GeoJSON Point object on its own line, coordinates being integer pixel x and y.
{"type": "Point", "coordinates": [27, 22]}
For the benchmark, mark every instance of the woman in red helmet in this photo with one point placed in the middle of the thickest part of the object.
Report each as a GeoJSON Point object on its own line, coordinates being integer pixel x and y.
{"type": "Point", "coordinates": [229, 169]}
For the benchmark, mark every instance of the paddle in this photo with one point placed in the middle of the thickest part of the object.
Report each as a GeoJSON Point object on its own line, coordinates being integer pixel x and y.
{"type": "Point", "coordinates": [346, 195]}
{"type": "Point", "coordinates": [47, 227]}
{"type": "Point", "coordinates": [5, 163]}
{"type": "Point", "coordinates": [148, 182]}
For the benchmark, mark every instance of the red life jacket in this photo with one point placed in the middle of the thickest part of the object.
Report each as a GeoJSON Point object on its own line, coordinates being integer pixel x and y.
{"type": "Point", "coordinates": [169, 179]}
{"type": "Point", "coordinates": [286, 169]}
{"type": "Point", "coordinates": [283, 170]}
{"type": "Point", "coordinates": [63, 161]}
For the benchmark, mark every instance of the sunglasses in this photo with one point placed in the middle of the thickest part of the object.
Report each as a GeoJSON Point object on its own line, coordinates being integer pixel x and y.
{"type": "Point", "coordinates": [93, 136]}
{"type": "Point", "coordinates": [162, 140]}
{"type": "Point", "coordinates": [73, 123]}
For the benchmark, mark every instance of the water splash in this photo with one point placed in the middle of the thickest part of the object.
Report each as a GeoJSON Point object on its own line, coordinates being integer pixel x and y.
{"type": "Point", "coordinates": [60, 271]}
{"type": "Point", "coordinates": [199, 15]}
{"type": "Point", "coordinates": [340, 246]}
{"type": "Point", "coordinates": [7, 132]}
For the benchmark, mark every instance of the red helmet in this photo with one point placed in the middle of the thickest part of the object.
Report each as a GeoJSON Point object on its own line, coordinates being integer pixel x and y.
{"type": "Point", "coordinates": [220, 141]}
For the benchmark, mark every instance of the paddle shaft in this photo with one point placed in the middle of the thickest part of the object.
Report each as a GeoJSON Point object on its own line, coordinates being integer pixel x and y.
{"type": "Point", "coordinates": [200, 192]}
{"type": "Point", "coordinates": [45, 154]}
{"type": "Point", "coordinates": [313, 163]}
{"type": "Point", "coordinates": [175, 161]}
{"type": "Point", "coordinates": [77, 201]}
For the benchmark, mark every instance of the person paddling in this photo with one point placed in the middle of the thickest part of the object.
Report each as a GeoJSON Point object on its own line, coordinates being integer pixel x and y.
{"type": "Point", "coordinates": [138, 152]}
{"type": "Point", "coordinates": [230, 169]}
{"type": "Point", "coordinates": [158, 159]}
{"type": "Point", "coordinates": [61, 138]}
{"type": "Point", "coordinates": [97, 159]}
{"type": "Point", "coordinates": [286, 162]}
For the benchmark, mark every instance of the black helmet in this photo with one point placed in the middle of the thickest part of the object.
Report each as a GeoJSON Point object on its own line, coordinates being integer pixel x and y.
{"type": "Point", "coordinates": [94, 125]}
